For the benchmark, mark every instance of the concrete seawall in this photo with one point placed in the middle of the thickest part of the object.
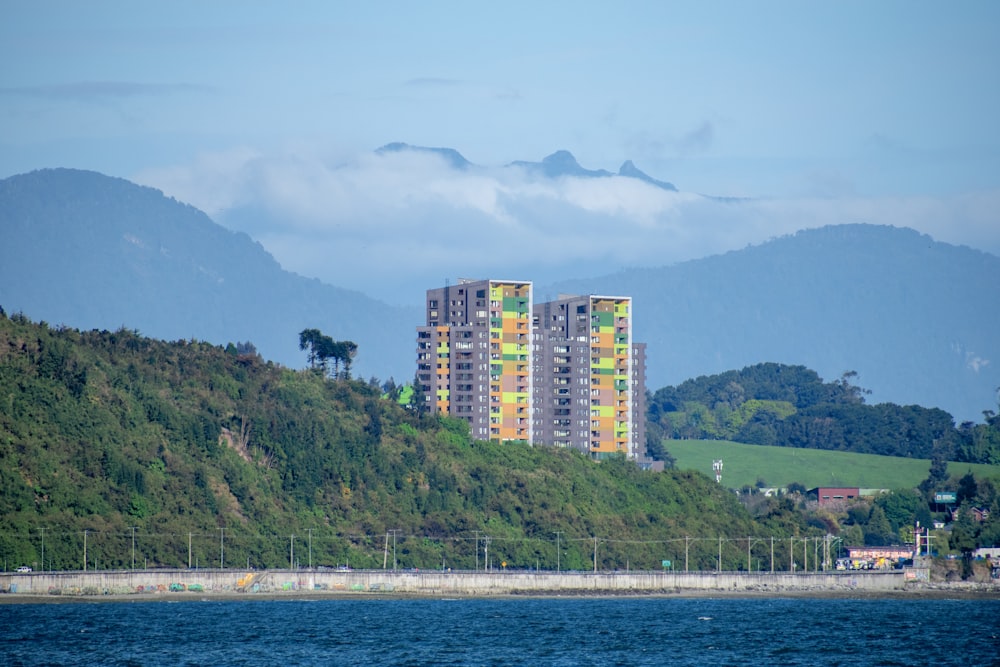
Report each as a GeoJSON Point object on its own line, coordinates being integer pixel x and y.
{"type": "Point", "coordinates": [457, 584]}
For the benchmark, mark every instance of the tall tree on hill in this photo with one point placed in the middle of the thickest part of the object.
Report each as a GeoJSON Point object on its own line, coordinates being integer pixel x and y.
{"type": "Point", "coordinates": [852, 393]}
{"type": "Point", "coordinates": [348, 350]}
{"type": "Point", "coordinates": [309, 339]}
{"type": "Point", "coordinates": [418, 400]}
{"type": "Point", "coordinates": [323, 350]}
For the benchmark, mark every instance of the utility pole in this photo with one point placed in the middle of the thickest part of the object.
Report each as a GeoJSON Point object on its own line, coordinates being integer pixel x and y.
{"type": "Point", "coordinates": [291, 552]}
{"type": "Point", "coordinates": [687, 543]}
{"type": "Point", "coordinates": [189, 550]}
{"type": "Point", "coordinates": [720, 553]}
{"type": "Point", "coordinates": [394, 531]}
{"type": "Point", "coordinates": [222, 548]}
{"type": "Point", "coordinates": [310, 531]}
{"type": "Point", "coordinates": [476, 533]}
{"type": "Point", "coordinates": [133, 546]}
{"type": "Point", "coordinates": [558, 549]}
{"type": "Point", "coordinates": [43, 549]}
{"type": "Point", "coordinates": [595, 554]}
{"type": "Point", "coordinates": [486, 553]}
{"type": "Point", "coordinates": [84, 550]}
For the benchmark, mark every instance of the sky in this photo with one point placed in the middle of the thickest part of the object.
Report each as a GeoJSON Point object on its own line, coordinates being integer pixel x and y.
{"type": "Point", "coordinates": [267, 117]}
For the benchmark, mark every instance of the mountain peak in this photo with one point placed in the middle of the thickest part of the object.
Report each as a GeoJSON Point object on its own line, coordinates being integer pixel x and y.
{"type": "Point", "coordinates": [562, 159]}
{"type": "Point", "coordinates": [454, 159]}
{"type": "Point", "coordinates": [558, 164]}
{"type": "Point", "coordinates": [629, 170]}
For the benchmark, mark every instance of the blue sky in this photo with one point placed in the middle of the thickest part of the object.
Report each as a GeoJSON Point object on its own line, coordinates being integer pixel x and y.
{"type": "Point", "coordinates": [821, 112]}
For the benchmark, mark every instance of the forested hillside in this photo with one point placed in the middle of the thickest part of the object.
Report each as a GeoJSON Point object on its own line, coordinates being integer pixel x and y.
{"type": "Point", "coordinates": [203, 453]}
{"type": "Point", "coordinates": [790, 406]}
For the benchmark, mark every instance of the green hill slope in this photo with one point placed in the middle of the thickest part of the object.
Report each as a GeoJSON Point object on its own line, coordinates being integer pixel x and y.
{"type": "Point", "coordinates": [745, 465]}
{"type": "Point", "coordinates": [791, 406]}
{"type": "Point", "coordinates": [205, 457]}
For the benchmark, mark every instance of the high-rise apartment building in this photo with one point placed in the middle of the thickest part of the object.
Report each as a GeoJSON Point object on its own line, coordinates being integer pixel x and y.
{"type": "Point", "coordinates": [589, 376]}
{"type": "Point", "coordinates": [474, 356]}
{"type": "Point", "coordinates": [564, 373]}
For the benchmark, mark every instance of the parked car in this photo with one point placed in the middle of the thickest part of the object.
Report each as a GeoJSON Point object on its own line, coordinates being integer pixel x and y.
{"type": "Point", "coordinates": [24, 568]}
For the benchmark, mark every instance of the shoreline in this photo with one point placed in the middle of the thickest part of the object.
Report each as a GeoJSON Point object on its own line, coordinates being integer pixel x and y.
{"type": "Point", "coordinates": [917, 592]}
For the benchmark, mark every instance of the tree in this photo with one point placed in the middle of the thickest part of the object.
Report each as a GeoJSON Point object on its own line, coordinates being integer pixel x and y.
{"type": "Point", "coordinates": [936, 476]}
{"type": "Point", "coordinates": [246, 349]}
{"type": "Point", "coordinates": [348, 350]}
{"type": "Point", "coordinates": [879, 531]}
{"type": "Point", "coordinates": [323, 350]}
{"type": "Point", "coordinates": [851, 392]}
{"type": "Point", "coordinates": [903, 508]}
{"type": "Point", "coordinates": [309, 339]}
{"type": "Point", "coordinates": [964, 539]}
{"type": "Point", "coordinates": [418, 399]}
{"type": "Point", "coordinates": [968, 489]}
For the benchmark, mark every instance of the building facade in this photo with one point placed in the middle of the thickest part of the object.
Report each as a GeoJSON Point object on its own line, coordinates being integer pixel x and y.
{"type": "Point", "coordinates": [589, 376]}
{"type": "Point", "coordinates": [474, 356]}
{"type": "Point", "coordinates": [564, 373]}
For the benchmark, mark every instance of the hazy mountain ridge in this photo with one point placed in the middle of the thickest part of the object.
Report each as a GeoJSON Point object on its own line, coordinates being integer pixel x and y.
{"type": "Point", "coordinates": [559, 164]}
{"type": "Point", "coordinates": [92, 251]}
{"type": "Point", "coordinates": [912, 316]}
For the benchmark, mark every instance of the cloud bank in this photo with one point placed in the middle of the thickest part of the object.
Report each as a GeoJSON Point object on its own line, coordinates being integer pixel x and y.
{"type": "Point", "coordinates": [393, 224]}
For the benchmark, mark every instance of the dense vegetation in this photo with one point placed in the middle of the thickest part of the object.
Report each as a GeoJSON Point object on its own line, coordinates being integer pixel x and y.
{"type": "Point", "coordinates": [116, 447]}
{"type": "Point", "coordinates": [790, 406]}
{"type": "Point", "coordinates": [243, 460]}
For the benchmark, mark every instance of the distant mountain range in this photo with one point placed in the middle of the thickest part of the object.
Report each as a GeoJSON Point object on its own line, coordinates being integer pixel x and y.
{"type": "Point", "coordinates": [559, 164]}
{"type": "Point", "coordinates": [917, 319]}
{"type": "Point", "coordinates": [90, 251]}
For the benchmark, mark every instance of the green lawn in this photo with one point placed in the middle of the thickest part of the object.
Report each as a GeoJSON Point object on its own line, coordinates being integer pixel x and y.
{"type": "Point", "coordinates": [780, 466]}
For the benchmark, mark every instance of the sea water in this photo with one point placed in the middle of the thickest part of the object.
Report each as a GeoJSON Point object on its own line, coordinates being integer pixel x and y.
{"type": "Point", "coordinates": [536, 632]}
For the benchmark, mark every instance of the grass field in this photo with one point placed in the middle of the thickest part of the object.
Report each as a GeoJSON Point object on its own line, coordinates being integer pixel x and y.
{"type": "Point", "coordinates": [780, 466]}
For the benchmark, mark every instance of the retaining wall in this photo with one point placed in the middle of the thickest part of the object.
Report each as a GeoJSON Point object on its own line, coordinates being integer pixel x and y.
{"type": "Point", "coordinates": [439, 583]}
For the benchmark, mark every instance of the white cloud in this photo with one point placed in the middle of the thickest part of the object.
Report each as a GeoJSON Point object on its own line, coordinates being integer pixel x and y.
{"type": "Point", "coordinates": [393, 224]}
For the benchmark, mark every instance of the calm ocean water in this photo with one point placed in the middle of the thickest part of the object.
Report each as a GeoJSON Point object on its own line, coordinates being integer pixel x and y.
{"type": "Point", "coordinates": [536, 632]}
